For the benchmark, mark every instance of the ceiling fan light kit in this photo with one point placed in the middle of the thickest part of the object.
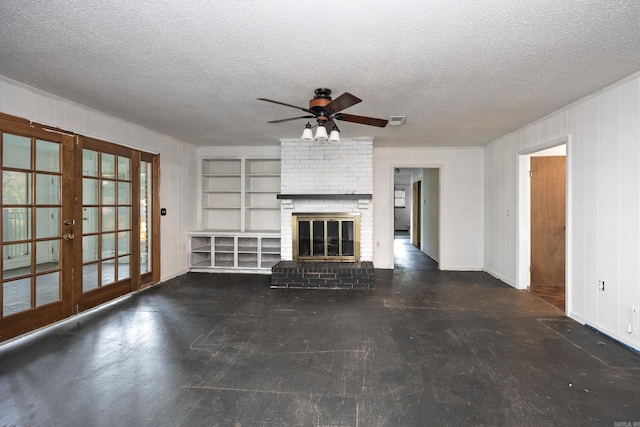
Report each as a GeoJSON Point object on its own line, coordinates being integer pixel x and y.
{"type": "Point", "coordinates": [326, 111]}
{"type": "Point", "coordinates": [307, 134]}
{"type": "Point", "coordinates": [334, 136]}
{"type": "Point", "coordinates": [321, 133]}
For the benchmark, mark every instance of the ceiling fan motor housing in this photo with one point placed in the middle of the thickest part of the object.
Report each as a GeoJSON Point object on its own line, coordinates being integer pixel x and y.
{"type": "Point", "coordinates": [321, 100]}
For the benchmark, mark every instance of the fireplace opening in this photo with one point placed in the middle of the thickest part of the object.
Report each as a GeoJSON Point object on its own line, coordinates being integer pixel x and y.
{"type": "Point", "coordinates": [326, 237]}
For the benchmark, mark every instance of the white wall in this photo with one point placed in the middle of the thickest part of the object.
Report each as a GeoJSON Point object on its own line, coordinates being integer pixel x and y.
{"type": "Point", "coordinates": [461, 202]}
{"type": "Point", "coordinates": [177, 158]}
{"type": "Point", "coordinates": [603, 202]}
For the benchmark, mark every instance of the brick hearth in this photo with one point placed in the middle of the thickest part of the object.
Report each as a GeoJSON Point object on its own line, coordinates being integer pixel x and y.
{"type": "Point", "coordinates": [322, 275]}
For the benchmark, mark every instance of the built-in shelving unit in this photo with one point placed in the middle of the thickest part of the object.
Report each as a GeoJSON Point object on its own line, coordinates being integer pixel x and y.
{"type": "Point", "coordinates": [240, 194]}
{"type": "Point", "coordinates": [233, 251]}
{"type": "Point", "coordinates": [239, 216]}
{"type": "Point", "coordinates": [262, 185]}
{"type": "Point", "coordinates": [221, 194]}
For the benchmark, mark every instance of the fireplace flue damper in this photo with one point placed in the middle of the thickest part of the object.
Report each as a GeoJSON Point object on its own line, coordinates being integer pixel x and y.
{"type": "Point", "coordinates": [333, 237]}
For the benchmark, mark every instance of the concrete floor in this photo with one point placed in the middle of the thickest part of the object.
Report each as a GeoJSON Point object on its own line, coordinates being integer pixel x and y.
{"type": "Point", "coordinates": [424, 348]}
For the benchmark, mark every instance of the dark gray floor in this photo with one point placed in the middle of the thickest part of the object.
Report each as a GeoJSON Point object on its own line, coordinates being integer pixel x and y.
{"type": "Point", "coordinates": [424, 348]}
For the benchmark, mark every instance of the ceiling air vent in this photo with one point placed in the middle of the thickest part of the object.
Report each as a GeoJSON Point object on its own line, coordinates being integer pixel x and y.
{"type": "Point", "coordinates": [396, 120]}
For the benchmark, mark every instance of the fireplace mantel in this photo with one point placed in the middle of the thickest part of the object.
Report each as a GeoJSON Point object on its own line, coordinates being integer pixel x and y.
{"type": "Point", "coordinates": [324, 196]}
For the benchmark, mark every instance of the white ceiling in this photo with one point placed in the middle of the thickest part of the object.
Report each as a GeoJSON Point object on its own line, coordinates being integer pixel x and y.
{"type": "Point", "coordinates": [464, 72]}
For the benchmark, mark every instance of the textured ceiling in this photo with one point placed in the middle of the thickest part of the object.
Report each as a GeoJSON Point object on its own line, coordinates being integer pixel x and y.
{"type": "Point", "coordinates": [463, 72]}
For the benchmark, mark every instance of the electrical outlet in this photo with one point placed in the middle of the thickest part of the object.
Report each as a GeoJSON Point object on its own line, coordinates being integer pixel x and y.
{"type": "Point", "coordinates": [601, 285]}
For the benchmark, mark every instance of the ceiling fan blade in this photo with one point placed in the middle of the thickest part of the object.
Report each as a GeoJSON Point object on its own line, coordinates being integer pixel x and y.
{"type": "Point", "coordinates": [292, 118]}
{"type": "Point", "coordinates": [362, 120]}
{"type": "Point", "coordinates": [286, 105]}
{"type": "Point", "coordinates": [330, 124]}
{"type": "Point", "coordinates": [343, 101]}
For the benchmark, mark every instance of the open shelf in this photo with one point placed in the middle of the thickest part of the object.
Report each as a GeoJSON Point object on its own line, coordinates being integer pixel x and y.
{"type": "Point", "coordinates": [234, 251]}
{"type": "Point", "coordinates": [236, 194]}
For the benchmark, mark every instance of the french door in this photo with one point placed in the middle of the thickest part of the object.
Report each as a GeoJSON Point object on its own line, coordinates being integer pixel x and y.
{"type": "Point", "coordinates": [78, 226]}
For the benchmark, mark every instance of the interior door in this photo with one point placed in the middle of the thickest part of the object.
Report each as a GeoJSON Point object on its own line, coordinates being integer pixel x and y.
{"type": "Point", "coordinates": [548, 217]}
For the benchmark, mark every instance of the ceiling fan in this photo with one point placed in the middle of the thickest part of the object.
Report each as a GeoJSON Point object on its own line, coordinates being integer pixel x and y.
{"type": "Point", "coordinates": [326, 111]}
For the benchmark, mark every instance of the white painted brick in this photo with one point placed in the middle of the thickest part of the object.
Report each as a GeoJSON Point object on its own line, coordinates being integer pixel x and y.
{"type": "Point", "coordinates": [336, 168]}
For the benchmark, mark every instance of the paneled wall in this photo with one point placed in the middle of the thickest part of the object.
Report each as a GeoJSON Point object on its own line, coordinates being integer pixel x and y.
{"type": "Point", "coordinates": [603, 192]}
{"type": "Point", "coordinates": [177, 159]}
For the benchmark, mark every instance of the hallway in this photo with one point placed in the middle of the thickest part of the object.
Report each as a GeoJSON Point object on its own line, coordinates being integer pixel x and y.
{"type": "Point", "coordinates": [426, 347]}
{"type": "Point", "coordinates": [407, 256]}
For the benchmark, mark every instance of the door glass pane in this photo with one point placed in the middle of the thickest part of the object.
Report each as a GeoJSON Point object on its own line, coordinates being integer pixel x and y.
{"type": "Point", "coordinates": [47, 288]}
{"type": "Point", "coordinates": [124, 218]}
{"type": "Point", "coordinates": [90, 191]}
{"type": "Point", "coordinates": [124, 239]}
{"type": "Point", "coordinates": [16, 188]}
{"type": "Point", "coordinates": [89, 162]}
{"type": "Point", "coordinates": [47, 189]}
{"type": "Point", "coordinates": [89, 220]}
{"type": "Point", "coordinates": [108, 165]}
{"type": "Point", "coordinates": [333, 244]}
{"type": "Point", "coordinates": [47, 255]}
{"type": "Point", "coordinates": [108, 219]}
{"type": "Point", "coordinates": [89, 248]}
{"type": "Point", "coordinates": [47, 222]}
{"type": "Point", "coordinates": [16, 151]}
{"type": "Point", "coordinates": [124, 168]}
{"type": "Point", "coordinates": [16, 223]}
{"type": "Point", "coordinates": [145, 216]}
{"type": "Point", "coordinates": [347, 238]}
{"type": "Point", "coordinates": [124, 193]}
{"type": "Point", "coordinates": [16, 296]}
{"type": "Point", "coordinates": [304, 238]}
{"type": "Point", "coordinates": [47, 156]}
{"type": "Point", "coordinates": [108, 245]}
{"type": "Point", "coordinates": [108, 192]}
{"type": "Point", "coordinates": [318, 238]}
{"type": "Point", "coordinates": [16, 260]}
{"type": "Point", "coordinates": [123, 267]}
{"type": "Point", "coordinates": [108, 272]}
{"type": "Point", "coordinates": [89, 277]}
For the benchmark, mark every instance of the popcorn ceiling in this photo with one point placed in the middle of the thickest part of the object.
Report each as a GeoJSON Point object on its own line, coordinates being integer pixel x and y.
{"type": "Point", "coordinates": [464, 73]}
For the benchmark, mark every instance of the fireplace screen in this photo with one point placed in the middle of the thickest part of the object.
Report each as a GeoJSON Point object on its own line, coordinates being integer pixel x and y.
{"type": "Point", "coordinates": [326, 237]}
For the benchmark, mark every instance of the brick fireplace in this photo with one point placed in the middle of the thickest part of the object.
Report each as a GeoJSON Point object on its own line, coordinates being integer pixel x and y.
{"type": "Point", "coordinates": [321, 178]}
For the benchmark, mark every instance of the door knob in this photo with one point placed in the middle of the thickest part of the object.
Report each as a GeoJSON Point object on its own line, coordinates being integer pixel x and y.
{"type": "Point", "coordinates": [68, 236]}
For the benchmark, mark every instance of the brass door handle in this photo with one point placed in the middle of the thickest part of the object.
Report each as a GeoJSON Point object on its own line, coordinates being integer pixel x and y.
{"type": "Point", "coordinates": [68, 236]}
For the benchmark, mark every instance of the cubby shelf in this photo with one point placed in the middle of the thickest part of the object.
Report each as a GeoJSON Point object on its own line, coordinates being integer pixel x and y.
{"type": "Point", "coordinates": [247, 252]}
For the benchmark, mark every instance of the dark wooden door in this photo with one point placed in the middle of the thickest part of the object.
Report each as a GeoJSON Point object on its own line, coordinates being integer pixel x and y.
{"type": "Point", "coordinates": [36, 239]}
{"type": "Point", "coordinates": [548, 219]}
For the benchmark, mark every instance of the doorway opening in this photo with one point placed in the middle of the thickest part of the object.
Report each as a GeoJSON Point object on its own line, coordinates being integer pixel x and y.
{"type": "Point", "coordinates": [542, 225]}
{"type": "Point", "coordinates": [416, 213]}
